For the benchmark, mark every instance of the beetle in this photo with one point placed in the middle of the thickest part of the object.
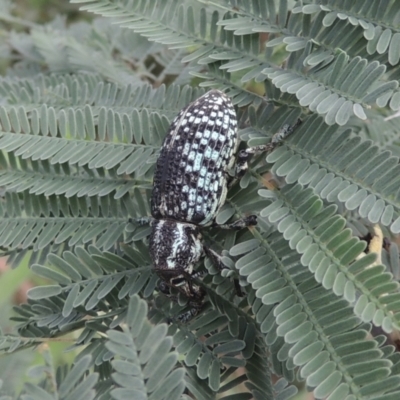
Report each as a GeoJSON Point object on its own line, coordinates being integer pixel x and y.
{"type": "Point", "coordinates": [190, 187]}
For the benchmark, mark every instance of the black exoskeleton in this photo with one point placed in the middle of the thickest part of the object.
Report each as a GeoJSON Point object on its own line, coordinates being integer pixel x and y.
{"type": "Point", "coordinates": [190, 187]}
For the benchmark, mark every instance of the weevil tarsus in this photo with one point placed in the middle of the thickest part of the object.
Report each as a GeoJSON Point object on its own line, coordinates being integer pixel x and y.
{"type": "Point", "coordinates": [250, 220]}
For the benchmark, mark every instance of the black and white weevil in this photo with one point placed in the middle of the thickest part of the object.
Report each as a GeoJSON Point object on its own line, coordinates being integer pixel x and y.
{"type": "Point", "coordinates": [190, 187]}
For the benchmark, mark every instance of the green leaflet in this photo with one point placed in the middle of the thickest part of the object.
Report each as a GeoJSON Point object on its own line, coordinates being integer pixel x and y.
{"type": "Point", "coordinates": [81, 124]}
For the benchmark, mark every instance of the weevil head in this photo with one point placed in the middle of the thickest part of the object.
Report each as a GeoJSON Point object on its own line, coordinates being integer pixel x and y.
{"type": "Point", "coordinates": [175, 248]}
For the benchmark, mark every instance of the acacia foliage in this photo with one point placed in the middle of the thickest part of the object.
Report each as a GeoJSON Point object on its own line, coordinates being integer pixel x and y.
{"type": "Point", "coordinates": [81, 125]}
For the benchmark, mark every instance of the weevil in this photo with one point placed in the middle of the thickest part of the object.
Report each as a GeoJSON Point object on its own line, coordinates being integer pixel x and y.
{"type": "Point", "coordinates": [190, 187]}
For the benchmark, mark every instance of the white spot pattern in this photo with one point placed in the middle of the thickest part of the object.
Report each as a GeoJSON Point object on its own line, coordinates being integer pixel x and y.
{"type": "Point", "coordinates": [196, 154]}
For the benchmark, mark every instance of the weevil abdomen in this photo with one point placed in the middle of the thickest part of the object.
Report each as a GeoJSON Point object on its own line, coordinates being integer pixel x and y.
{"type": "Point", "coordinates": [191, 171]}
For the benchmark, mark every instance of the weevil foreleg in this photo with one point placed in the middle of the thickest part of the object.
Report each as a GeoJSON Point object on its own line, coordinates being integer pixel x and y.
{"type": "Point", "coordinates": [194, 294]}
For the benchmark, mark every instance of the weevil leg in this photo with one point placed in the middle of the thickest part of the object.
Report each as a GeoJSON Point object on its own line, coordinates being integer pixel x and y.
{"type": "Point", "coordinates": [238, 289]}
{"type": "Point", "coordinates": [194, 294]}
{"type": "Point", "coordinates": [251, 220]}
{"type": "Point", "coordinates": [285, 132]}
{"type": "Point", "coordinates": [182, 282]}
{"type": "Point", "coordinates": [191, 313]}
{"type": "Point", "coordinates": [198, 274]}
{"type": "Point", "coordinates": [244, 155]}
{"type": "Point", "coordinates": [187, 315]}
{"type": "Point", "coordinates": [164, 288]}
{"type": "Point", "coordinates": [141, 221]}
{"type": "Point", "coordinates": [217, 261]}
{"type": "Point", "coordinates": [215, 258]}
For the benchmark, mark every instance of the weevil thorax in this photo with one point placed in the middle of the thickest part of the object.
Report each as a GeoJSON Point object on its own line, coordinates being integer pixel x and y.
{"type": "Point", "coordinates": [175, 246]}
